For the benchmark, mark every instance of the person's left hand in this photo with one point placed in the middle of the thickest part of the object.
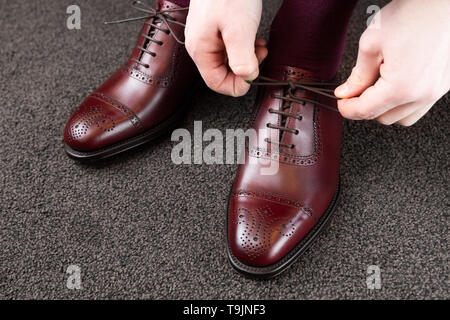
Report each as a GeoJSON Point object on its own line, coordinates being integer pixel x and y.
{"type": "Point", "coordinates": [403, 68]}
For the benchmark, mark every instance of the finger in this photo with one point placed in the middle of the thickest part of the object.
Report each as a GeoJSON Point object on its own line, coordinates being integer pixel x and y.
{"type": "Point", "coordinates": [261, 54]}
{"type": "Point", "coordinates": [232, 85]}
{"type": "Point", "coordinates": [398, 113]}
{"type": "Point", "coordinates": [240, 48]}
{"type": "Point", "coordinates": [207, 51]}
{"type": "Point", "coordinates": [416, 116]}
{"type": "Point", "coordinates": [221, 80]}
{"type": "Point", "coordinates": [366, 70]}
{"type": "Point", "coordinates": [261, 49]}
{"type": "Point", "coordinates": [372, 103]}
{"type": "Point", "coordinates": [260, 42]}
{"type": "Point", "coordinates": [217, 76]}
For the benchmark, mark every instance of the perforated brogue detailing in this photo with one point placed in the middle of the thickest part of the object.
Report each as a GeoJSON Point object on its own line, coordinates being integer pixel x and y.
{"type": "Point", "coordinates": [127, 112]}
{"type": "Point", "coordinates": [86, 118]}
{"type": "Point", "coordinates": [258, 229]}
{"type": "Point", "coordinates": [159, 81]}
{"type": "Point", "coordinates": [271, 197]}
{"type": "Point", "coordinates": [295, 74]}
{"type": "Point", "coordinates": [146, 78]}
{"type": "Point", "coordinates": [293, 159]}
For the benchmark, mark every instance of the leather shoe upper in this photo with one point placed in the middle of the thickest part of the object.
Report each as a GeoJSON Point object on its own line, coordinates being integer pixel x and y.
{"type": "Point", "coordinates": [270, 214]}
{"type": "Point", "coordinates": [142, 93]}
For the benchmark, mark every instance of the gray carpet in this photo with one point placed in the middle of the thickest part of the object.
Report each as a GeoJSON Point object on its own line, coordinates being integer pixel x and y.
{"type": "Point", "coordinates": [139, 226]}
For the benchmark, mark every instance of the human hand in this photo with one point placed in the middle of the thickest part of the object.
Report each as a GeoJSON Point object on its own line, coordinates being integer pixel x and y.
{"type": "Point", "coordinates": [403, 68]}
{"type": "Point", "coordinates": [221, 39]}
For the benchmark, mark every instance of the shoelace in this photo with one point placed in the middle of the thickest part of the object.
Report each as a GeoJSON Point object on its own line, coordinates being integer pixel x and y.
{"type": "Point", "coordinates": [320, 88]}
{"type": "Point", "coordinates": [155, 16]}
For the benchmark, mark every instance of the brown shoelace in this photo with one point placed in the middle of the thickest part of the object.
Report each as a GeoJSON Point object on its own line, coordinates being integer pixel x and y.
{"type": "Point", "coordinates": [156, 16]}
{"type": "Point", "coordinates": [320, 88]}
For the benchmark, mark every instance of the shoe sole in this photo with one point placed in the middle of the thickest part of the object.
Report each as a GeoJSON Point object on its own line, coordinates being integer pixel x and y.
{"type": "Point", "coordinates": [282, 265]}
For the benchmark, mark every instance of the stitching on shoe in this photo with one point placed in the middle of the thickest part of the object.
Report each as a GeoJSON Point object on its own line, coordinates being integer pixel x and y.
{"type": "Point", "coordinates": [161, 81]}
{"type": "Point", "coordinates": [273, 197]}
{"type": "Point", "coordinates": [258, 226]}
{"type": "Point", "coordinates": [134, 119]}
{"type": "Point", "coordinates": [87, 117]}
{"type": "Point", "coordinates": [311, 234]}
{"type": "Point", "coordinates": [292, 159]}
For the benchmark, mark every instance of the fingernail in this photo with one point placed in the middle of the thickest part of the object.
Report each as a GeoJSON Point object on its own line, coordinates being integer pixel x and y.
{"type": "Point", "coordinates": [341, 90]}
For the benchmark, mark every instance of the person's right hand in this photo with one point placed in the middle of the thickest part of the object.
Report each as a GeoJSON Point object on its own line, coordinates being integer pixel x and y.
{"type": "Point", "coordinates": [221, 39]}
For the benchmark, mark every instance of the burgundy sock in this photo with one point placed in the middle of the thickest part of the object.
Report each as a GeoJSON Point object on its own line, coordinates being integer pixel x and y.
{"type": "Point", "coordinates": [310, 34]}
{"type": "Point", "coordinates": [181, 3]}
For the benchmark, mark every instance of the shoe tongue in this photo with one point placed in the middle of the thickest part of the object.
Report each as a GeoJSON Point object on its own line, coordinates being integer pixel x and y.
{"type": "Point", "coordinates": [288, 73]}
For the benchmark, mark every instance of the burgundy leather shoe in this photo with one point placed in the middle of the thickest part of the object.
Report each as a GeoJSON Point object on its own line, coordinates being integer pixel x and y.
{"type": "Point", "coordinates": [145, 97]}
{"type": "Point", "coordinates": [272, 219]}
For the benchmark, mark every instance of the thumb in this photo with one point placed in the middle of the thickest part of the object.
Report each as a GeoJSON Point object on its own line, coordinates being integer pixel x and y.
{"type": "Point", "coordinates": [366, 71]}
{"type": "Point", "coordinates": [240, 48]}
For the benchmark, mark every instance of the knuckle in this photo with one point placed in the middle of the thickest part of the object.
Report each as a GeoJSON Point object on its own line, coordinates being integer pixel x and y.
{"type": "Point", "coordinates": [360, 112]}
{"type": "Point", "coordinates": [242, 69]}
{"type": "Point", "coordinates": [234, 31]}
{"type": "Point", "coordinates": [363, 114]}
{"type": "Point", "coordinates": [433, 94]}
{"type": "Point", "coordinates": [385, 121]}
{"type": "Point", "coordinates": [368, 115]}
{"type": "Point", "coordinates": [190, 44]}
{"type": "Point", "coordinates": [231, 33]}
{"type": "Point", "coordinates": [355, 71]}
{"type": "Point", "coordinates": [212, 83]}
{"type": "Point", "coordinates": [353, 113]}
{"type": "Point", "coordinates": [356, 76]}
{"type": "Point", "coordinates": [402, 91]}
{"type": "Point", "coordinates": [407, 122]}
{"type": "Point", "coordinates": [348, 111]}
{"type": "Point", "coordinates": [366, 43]}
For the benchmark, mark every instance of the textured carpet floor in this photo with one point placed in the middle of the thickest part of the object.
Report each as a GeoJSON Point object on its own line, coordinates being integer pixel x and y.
{"type": "Point", "coordinates": [139, 226]}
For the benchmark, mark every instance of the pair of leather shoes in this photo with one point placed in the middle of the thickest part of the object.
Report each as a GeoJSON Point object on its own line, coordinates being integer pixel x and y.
{"type": "Point", "coordinates": [272, 219]}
